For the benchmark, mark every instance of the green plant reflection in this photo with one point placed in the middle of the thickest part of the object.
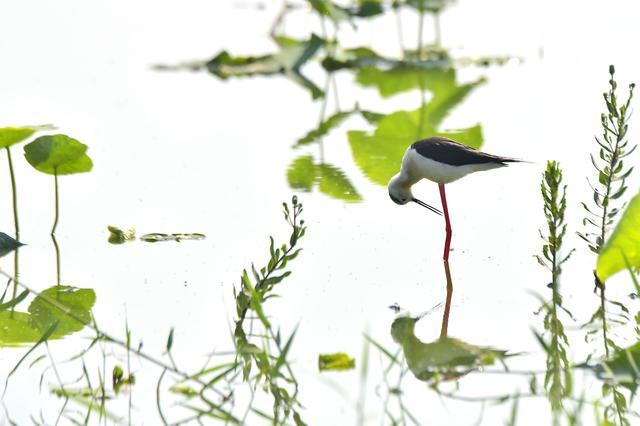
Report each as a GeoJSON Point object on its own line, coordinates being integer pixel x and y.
{"type": "Point", "coordinates": [71, 311]}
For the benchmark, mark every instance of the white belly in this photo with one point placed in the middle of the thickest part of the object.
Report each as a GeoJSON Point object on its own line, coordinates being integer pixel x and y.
{"type": "Point", "coordinates": [419, 167]}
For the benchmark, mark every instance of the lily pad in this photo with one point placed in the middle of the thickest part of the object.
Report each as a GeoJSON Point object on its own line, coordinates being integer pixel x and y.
{"type": "Point", "coordinates": [70, 309]}
{"type": "Point", "coordinates": [118, 236]}
{"type": "Point", "coordinates": [623, 242]}
{"type": "Point", "coordinates": [446, 358]}
{"type": "Point", "coordinates": [13, 135]}
{"type": "Point", "coordinates": [58, 155]}
{"type": "Point", "coordinates": [336, 362]}
{"type": "Point", "coordinates": [158, 237]}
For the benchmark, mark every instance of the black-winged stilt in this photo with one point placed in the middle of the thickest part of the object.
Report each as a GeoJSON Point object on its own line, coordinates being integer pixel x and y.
{"type": "Point", "coordinates": [440, 160]}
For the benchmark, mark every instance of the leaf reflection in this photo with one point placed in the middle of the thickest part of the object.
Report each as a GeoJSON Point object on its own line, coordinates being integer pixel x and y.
{"type": "Point", "coordinates": [72, 310]}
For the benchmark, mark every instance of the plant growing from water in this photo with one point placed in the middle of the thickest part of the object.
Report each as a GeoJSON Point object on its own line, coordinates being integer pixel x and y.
{"type": "Point", "coordinates": [558, 378]}
{"type": "Point", "coordinates": [58, 155]}
{"type": "Point", "coordinates": [10, 136]}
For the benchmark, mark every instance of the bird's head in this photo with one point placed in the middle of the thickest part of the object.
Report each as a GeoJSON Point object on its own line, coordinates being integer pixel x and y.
{"type": "Point", "coordinates": [401, 194]}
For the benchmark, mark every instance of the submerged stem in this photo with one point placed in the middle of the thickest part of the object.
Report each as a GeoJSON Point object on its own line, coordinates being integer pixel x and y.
{"type": "Point", "coordinates": [57, 249]}
{"type": "Point", "coordinates": [55, 222]}
{"type": "Point", "coordinates": [14, 195]}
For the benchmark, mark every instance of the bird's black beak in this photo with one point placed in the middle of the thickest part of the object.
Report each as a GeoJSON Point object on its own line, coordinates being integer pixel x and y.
{"type": "Point", "coordinates": [427, 206]}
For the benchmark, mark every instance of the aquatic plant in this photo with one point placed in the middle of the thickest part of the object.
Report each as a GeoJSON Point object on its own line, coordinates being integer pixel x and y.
{"type": "Point", "coordinates": [612, 173]}
{"type": "Point", "coordinates": [611, 185]}
{"type": "Point", "coordinates": [58, 155]}
{"type": "Point", "coordinates": [11, 136]}
{"type": "Point", "coordinates": [558, 379]}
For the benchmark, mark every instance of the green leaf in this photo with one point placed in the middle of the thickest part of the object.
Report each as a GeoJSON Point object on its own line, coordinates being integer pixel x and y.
{"type": "Point", "coordinates": [72, 309]}
{"type": "Point", "coordinates": [301, 174]}
{"type": "Point", "coordinates": [58, 154]}
{"type": "Point", "coordinates": [13, 135]}
{"type": "Point", "coordinates": [339, 361]}
{"type": "Point", "coordinates": [624, 241]}
{"type": "Point", "coordinates": [15, 301]}
{"type": "Point", "coordinates": [334, 183]}
{"type": "Point", "coordinates": [622, 367]}
{"type": "Point", "coordinates": [324, 128]}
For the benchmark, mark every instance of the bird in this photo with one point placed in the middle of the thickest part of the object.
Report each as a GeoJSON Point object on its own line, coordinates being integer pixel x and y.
{"type": "Point", "coordinates": [440, 160]}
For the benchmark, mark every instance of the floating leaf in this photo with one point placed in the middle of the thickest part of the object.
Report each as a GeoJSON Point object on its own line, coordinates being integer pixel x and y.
{"type": "Point", "coordinates": [158, 237]}
{"type": "Point", "coordinates": [336, 362]}
{"type": "Point", "coordinates": [68, 308]}
{"type": "Point", "coordinates": [8, 244]}
{"type": "Point", "coordinates": [72, 309]}
{"type": "Point", "coordinates": [623, 242]}
{"type": "Point", "coordinates": [58, 154]}
{"type": "Point", "coordinates": [446, 358]}
{"type": "Point", "coordinates": [13, 135]}
{"type": "Point", "coordinates": [118, 236]}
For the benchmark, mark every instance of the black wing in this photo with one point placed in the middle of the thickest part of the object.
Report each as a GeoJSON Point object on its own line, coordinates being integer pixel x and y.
{"type": "Point", "coordinates": [454, 153]}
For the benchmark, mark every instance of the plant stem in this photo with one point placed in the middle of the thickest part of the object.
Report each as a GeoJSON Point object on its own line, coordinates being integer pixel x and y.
{"type": "Point", "coordinates": [108, 338]}
{"type": "Point", "coordinates": [14, 195]}
{"type": "Point", "coordinates": [55, 222]}
{"type": "Point", "coordinates": [57, 249]}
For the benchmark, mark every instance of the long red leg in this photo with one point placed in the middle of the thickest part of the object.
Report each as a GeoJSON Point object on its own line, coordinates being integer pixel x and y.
{"type": "Point", "coordinates": [447, 242]}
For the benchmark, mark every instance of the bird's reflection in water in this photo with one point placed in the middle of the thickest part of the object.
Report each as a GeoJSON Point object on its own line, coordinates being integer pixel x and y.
{"type": "Point", "coordinates": [447, 306]}
{"type": "Point", "coordinates": [446, 358]}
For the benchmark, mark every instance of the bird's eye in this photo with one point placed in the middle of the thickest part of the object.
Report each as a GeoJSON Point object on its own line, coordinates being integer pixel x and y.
{"type": "Point", "coordinates": [404, 200]}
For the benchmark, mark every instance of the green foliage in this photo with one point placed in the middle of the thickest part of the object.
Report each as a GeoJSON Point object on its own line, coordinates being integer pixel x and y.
{"type": "Point", "coordinates": [622, 248]}
{"type": "Point", "coordinates": [67, 307]}
{"type": "Point", "coordinates": [119, 380]}
{"type": "Point", "coordinates": [159, 237]}
{"type": "Point", "coordinates": [555, 204]}
{"type": "Point", "coordinates": [612, 173]}
{"type": "Point", "coordinates": [379, 154]}
{"type": "Point", "coordinates": [558, 379]}
{"type": "Point", "coordinates": [118, 236]}
{"type": "Point", "coordinates": [13, 135]}
{"type": "Point", "coordinates": [267, 356]}
{"type": "Point", "coordinates": [58, 155]}
{"type": "Point", "coordinates": [288, 61]}
{"type": "Point", "coordinates": [339, 361]}
{"type": "Point", "coordinates": [303, 174]}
